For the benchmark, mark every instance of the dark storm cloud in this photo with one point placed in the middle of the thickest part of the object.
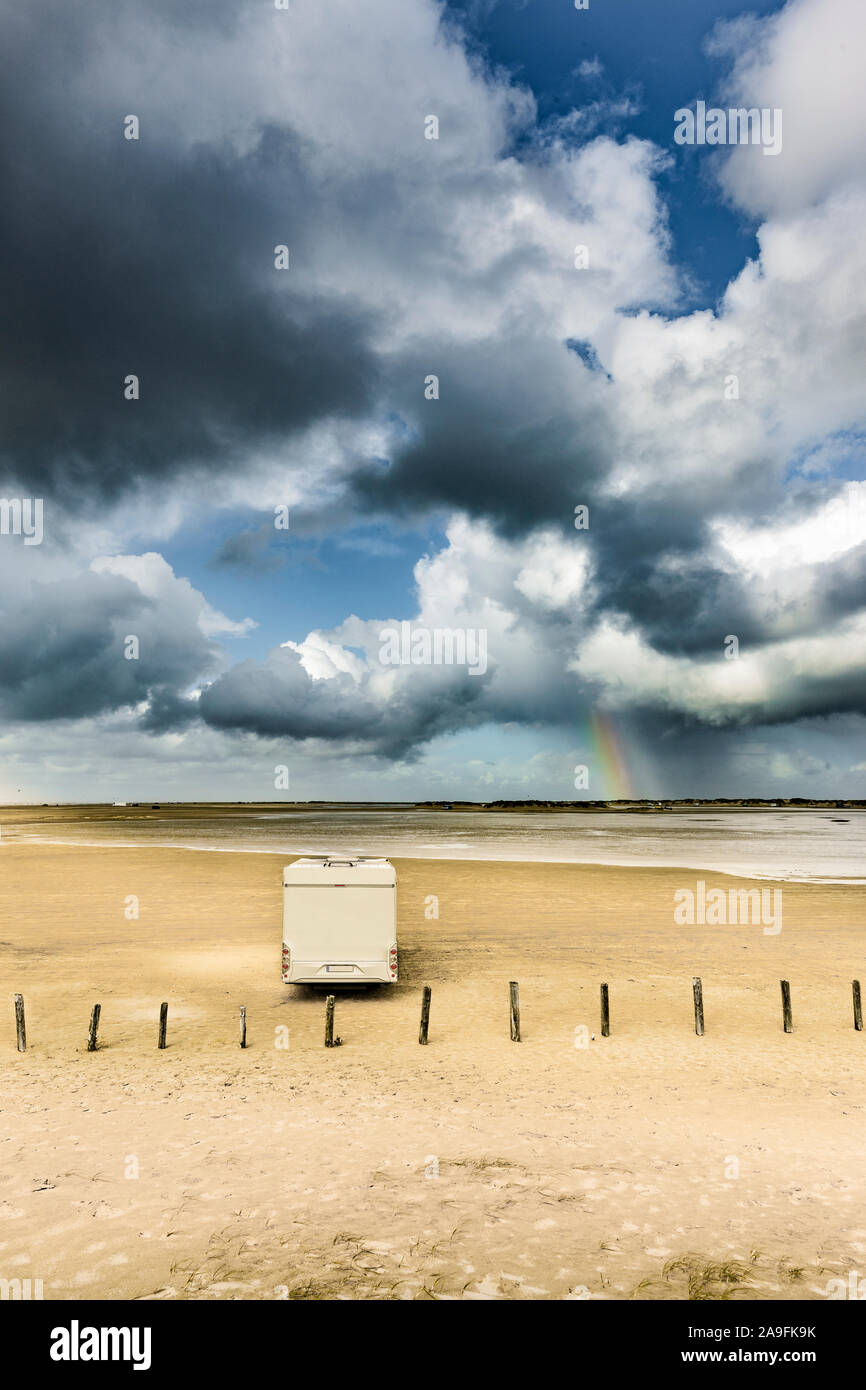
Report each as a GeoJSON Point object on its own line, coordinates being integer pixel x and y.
{"type": "Point", "coordinates": [142, 257]}
{"type": "Point", "coordinates": [653, 570]}
{"type": "Point", "coordinates": [62, 652]}
{"type": "Point", "coordinates": [520, 438]}
{"type": "Point", "coordinates": [689, 611]}
{"type": "Point", "coordinates": [517, 435]}
{"type": "Point", "coordinates": [275, 698]}
{"type": "Point", "coordinates": [840, 585]}
{"type": "Point", "coordinates": [521, 433]}
{"type": "Point", "coordinates": [156, 259]}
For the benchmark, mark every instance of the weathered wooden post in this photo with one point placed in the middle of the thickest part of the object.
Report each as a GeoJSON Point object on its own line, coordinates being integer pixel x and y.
{"type": "Point", "coordinates": [698, 991]}
{"type": "Point", "coordinates": [605, 1012]}
{"type": "Point", "coordinates": [19, 1023]}
{"type": "Point", "coordinates": [858, 1007]}
{"type": "Point", "coordinates": [514, 998]}
{"type": "Point", "coordinates": [243, 1025]}
{"type": "Point", "coordinates": [330, 1040]}
{"type": "Point", "coordinates": [787, 1020]}
{"type": "Point", "coordinates": [94, 1027]}
{"type": "Point", "coordinates": [425, 1016]}
{"type": "Point", "coordinates": [163, 1023]}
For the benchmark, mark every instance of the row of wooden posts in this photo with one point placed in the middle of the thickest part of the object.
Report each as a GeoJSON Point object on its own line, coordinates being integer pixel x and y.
{"type": "Point", "coordinates": [514, 1016]}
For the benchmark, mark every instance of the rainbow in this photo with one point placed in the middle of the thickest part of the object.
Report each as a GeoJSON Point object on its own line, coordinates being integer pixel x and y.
{"type": "Point", "coordinates": [609, 775]}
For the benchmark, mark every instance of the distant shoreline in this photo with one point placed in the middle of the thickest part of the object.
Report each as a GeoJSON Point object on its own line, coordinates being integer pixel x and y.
{"type": "Point", "coordinates": [719, 804]}
{"type": "Point", "coordinates": [795, 803]}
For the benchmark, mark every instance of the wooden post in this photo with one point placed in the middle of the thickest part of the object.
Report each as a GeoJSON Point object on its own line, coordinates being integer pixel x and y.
{"type": "Point", "coordinates": [514, 998]}
{"type": "Point", "coordinates": [94, 1027]}
{"type": "Point", "coordinates": [330, 1040]}
{"type": "Point", "coordinates": [605, 1012]}
{"type": "Point", "coordinates": [787, 1020]}
{"type": "Point", "coordinates": [163, 1023]}
{"type": "Point", "coordinates": [698, 991]}
{"type": "Point", "coordinates": [243, 1025]}
{"type": "Point", "coordinates": [19, 1023]}
{"type": "Point", "coordinates": [425, 1016]}
{"type": "Point", "coordinates": [858, 1007]}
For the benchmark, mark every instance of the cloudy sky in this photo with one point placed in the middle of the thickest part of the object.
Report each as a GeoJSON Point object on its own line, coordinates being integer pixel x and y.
{"type": "Point", "coordinates": [672, 336]}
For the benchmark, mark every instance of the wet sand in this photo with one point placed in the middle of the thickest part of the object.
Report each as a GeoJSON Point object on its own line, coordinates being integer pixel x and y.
{"type": "Point", "coordinates": [651, 1164]}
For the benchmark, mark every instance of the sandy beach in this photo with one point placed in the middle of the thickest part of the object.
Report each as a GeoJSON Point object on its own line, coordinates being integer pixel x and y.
{"type": "Point", "coordinates": [652, 1164]}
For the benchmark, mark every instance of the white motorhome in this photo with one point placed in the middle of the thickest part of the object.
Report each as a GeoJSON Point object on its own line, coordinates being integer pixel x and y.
{"type": "Point", "coordinates": [339, 921]}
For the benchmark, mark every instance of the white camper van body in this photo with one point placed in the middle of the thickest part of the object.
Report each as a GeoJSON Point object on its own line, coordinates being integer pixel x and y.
{"type": "Point", "coordinates": [339, 921]}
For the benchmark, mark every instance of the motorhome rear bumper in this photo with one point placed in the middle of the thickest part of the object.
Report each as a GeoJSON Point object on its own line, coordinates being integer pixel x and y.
{"type": "Point", "coordinates": [326, 973]}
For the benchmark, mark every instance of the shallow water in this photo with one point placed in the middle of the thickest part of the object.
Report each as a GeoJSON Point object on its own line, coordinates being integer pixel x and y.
{"type": "Point", "coordinates": [821, 845]}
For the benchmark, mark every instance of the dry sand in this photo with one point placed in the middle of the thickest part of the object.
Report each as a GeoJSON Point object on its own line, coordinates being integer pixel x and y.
{"type": "Point", "coordinates": [473, 1168]}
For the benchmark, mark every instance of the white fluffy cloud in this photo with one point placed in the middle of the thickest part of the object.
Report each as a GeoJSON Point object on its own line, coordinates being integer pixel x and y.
{"type": "Point", "coordinates": [814, 535]}
{"type": "Point", "coordinates": [155, 578]}
{"type": "Point", "coordinates": [724, 400]}
{"type": "Point", "coordinates": [776, 682]}
{"type": "Point", "coordinates": [807, 61]}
